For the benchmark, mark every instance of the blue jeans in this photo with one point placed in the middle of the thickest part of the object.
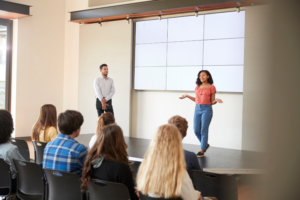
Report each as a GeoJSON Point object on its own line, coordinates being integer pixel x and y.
{"type": "Point", "coordinates": [202, 119]}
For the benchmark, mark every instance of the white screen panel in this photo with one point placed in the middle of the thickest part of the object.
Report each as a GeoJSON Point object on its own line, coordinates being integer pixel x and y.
{"type": "Point", "coordinates": [151, 54]}
{"type": "Point", "coordinates": [225, 25]}
{"type": "Point", "coordinates": [182, 78]}
{"type": "Point", "coordinates": [224, 52]}
{"type": "Point", "coordinates": [227, 78]}
{"type": "Point", "coordinates": [150, 78]}
{"type": "Point", "coordinates": [185, 53]}
{"type": "Point", "coordinates": [185, 28]}
{"type": "Point", "coordinates": [153, 31]}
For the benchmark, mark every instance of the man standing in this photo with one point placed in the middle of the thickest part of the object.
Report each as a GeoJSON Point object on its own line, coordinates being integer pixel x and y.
{"type": "Point", "coordinates": [105, 90]}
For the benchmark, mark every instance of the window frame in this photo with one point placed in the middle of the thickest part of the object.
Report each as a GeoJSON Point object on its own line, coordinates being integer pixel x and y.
{"type": "Point", "coordinates": [8, 77]}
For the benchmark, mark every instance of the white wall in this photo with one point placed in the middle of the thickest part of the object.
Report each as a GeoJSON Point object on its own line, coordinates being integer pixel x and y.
{"type": "Point", "coordinates": [151, 109]}
{"type": "Point", "coordinates": [110, 44]}
{"type": "Point", "coordinates": [258, 69]}
{"type": "Point", "coordinates": [40, 62]}
{"type": "Point", "coordinates": [71, 59]}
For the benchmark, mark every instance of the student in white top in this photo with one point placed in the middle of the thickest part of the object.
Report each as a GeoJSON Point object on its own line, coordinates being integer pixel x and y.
{"type": "Point", "coordinates": [163, 172]}
{"type": "Point", "coordinates": [104, 120]}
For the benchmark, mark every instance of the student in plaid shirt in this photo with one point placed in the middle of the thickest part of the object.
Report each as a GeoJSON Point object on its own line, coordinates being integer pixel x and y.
{"type": "Point", "coordinates": [64, 153]}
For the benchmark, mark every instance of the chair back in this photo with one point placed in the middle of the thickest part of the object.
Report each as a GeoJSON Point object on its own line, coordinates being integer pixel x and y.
{"type": "Point", "coordinates": [23, 147]}
{"type": "Point", "coordinates": [5, 180]}
{"type": "Point", "coordinates": [63, 185]}
{"type": "Point", "coordinates": [223, 187]}
{"type": "Point", "coordinates": [146, 197]}
{"type": "Point", "coordinates": [104, 190]}
{"type": "Point", "coordinates": [30, 178]}
{"type": "Point", "coordinates": [39, 151]}
{"type": "Point", "coordinates": [135, 168]}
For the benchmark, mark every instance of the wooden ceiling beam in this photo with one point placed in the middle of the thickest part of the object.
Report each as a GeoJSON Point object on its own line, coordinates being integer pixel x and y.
{"type": "Point", "coordinates": [155, 8]}
{"type": "Point", "coordinates": [10, 10]}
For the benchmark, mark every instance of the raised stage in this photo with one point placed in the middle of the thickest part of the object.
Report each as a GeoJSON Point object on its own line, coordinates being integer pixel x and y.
{"type": "Point", "coordinates": [216, 160]}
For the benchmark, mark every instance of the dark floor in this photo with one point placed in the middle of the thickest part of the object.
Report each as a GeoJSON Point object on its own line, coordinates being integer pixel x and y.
{"type": "Point", "coordinates": [218, 160]}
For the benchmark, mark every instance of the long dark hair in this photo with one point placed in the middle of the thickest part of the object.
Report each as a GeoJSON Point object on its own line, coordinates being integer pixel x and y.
{"type": "Point", "coordinates": [47, 118]}
{"type": "Point", "coordinates": [110, 145]}
{"type": "Point", "coordinates": [209, 80]}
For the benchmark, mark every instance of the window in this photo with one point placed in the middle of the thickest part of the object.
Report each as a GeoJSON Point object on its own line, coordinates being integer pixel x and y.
{"type": "Point", "coordinates": [5, 63]}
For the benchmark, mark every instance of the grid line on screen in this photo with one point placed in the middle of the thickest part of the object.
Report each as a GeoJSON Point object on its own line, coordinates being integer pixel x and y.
{"type": "Point", "coordinates": [203, 42]}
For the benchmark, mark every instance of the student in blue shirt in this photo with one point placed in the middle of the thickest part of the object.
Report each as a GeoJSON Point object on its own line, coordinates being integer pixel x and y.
{"type": "Point", "coordinates": [191, 159]}
{"type": "Point", "coordinates": [64, 153]}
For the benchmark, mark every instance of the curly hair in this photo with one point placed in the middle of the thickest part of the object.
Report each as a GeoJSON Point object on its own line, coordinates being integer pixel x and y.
{"type": "Point", "coordinates": [209, 80]}
{"type": "Point", "coordinates": [6, 126]}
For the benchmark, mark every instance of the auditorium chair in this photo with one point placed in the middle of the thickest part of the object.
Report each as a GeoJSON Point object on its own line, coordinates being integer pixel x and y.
{"type": "Point", "coordinates": [63, 185]}
{"type": "Point", "coordinates": [134, 165]}
{"type": "Point", "coordinates": [104, 190]}
{"type": "Point", "coordinates": [5, 179]}
{"type": "Point", "coordinates": [38, 151]}
{"type": "Point", "coordinates": [223, 187]}
{"type": "Point", "coordinates": [23, 148]}
{"type": "Point", "coordinates": [31, 182]}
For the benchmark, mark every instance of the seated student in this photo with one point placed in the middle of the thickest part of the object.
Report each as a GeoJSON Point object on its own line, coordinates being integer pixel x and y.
{"type": "Point", "coordinates": [64, 153]}
{"type": "Point", "coordinates": [8, 151]}
{"type": "Point", "coordinates": [162, 173]}
{"type": "Point", "coordinates": [104, 119]}
{"type": "Point", "coordinates": [191, 158]}
{"type": "Point", "coordinates": [108, 160]}
{"type": "Point", "coordinates": [44, 130]}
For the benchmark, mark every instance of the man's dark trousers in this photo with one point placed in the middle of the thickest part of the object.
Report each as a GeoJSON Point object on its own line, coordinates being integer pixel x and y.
{"type": "Point", "coordinates": [109, 108]}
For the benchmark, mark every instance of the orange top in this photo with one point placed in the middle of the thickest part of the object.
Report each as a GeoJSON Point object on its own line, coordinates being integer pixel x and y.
{"type": "Point", "coordinates": [203, 94]}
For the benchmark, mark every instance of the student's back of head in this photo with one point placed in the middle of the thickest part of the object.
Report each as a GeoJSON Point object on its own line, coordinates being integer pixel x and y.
{"type": "Point", "coordinates": [69, 122]}
{"type": "Point", "coordinates": [162, 170]}
{"type": "Point", "coordinates": [6, 126]}
{"type": "Point", "coordinates": [104, 120]}
{"type": "Point", "coordinates": [180, 123]}
{"type": "Point", "coordinates": [45, 128]}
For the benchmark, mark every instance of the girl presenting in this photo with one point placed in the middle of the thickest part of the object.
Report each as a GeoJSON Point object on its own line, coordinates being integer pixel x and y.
{"type": "Point", "coordinates": [204, 98]}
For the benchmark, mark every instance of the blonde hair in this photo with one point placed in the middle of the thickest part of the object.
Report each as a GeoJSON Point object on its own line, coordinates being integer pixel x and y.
{"type": "Point", "coordinates": [163, 167]}
{"type": "Point", "coordinates": [104, 120]}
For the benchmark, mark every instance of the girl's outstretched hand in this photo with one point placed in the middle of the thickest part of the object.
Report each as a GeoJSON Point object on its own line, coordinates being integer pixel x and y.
{"type": "Point", "coordinates": [183, 96]}
{"type": "Point", "coordinates": [219, 100]}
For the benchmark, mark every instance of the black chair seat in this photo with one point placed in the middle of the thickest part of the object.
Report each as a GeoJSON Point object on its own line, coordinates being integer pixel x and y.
{"type": "Point", "coordinates": [135, 167]}
{"type": "Point", "coordinates": [21, 195]}
{"type": "Point", "coordinates": [105, 190]}
{"type": "Point", "coordinates": [63, 185]}
{"type": "Point", "coordinates": [39, 151]}
{"type": "Point", "coordinates": [223, 187]}
{"type": "Point", "coordinates": [22, 147]}
{"type": "Point", "coordinates": [5, 179]}
{"type": "Point", "coordinates": [30, 180]}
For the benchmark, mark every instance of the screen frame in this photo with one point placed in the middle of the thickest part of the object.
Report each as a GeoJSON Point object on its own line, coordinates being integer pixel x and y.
{"type": "Point", "coordinates": [168, 17]}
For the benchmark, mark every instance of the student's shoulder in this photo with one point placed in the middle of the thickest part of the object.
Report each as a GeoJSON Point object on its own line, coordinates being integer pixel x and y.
{"type": "Point", "coordinates": [81, 148]}
{"type": "Point", "coordinates": [189, 154]}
